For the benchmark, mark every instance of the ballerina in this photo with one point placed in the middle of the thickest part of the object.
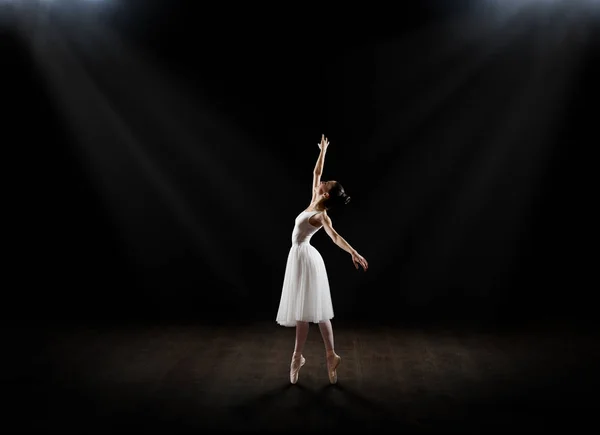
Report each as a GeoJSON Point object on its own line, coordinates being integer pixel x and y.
{"type": "Point", "coordinates": [305, 295]}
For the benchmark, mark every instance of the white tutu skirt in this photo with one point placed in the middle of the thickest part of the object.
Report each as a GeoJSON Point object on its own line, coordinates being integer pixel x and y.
{"type": "Point", "coordinates": [305, 295]}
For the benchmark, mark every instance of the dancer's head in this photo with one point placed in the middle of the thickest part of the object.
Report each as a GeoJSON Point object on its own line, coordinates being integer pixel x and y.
{"type": "Point", "coordinates": [332, 194]}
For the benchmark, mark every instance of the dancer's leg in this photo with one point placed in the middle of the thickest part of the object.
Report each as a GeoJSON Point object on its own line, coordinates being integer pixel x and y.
{"type": "Point", "coordinates": [333, 359]}
{"type": "Point", "coordinates": [297, 359]}
{"type": "Point", "coordinates": [301, 335]}
{"type": "Point", "coordinates": [327, 332]}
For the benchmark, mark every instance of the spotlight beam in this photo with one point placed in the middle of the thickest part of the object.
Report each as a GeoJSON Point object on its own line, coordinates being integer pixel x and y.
{"type": "Point", "coordinates": [112, 151]}
{"type": "Point", "coordinates": [508, 171]}
{"type": "Point", "coordinates": [428, 153]}
{"type": "Point", "coordinates": [197, 141]}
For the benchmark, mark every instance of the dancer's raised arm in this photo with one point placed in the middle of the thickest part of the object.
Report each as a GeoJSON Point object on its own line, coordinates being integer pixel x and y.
{"type": "Point", "coordinates": [318, 171]}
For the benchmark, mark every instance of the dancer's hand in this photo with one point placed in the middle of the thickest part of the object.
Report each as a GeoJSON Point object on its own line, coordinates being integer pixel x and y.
{"type": "Point", "coordinates": [358, 259]}
{"type": "Point", "coordinates": [324, 143]}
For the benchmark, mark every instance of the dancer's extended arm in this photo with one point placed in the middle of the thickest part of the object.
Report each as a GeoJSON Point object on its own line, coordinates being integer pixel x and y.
{"type": "Point", "coordinates": [318, 171]}
{"type": "Point", "coordinates": [357, 259]}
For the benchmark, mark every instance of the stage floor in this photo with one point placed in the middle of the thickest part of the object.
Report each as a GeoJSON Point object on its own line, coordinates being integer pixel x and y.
{"type": "Point", "coordinates": [236, 378]}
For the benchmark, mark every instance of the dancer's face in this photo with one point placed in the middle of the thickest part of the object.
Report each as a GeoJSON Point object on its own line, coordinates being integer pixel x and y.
{"type": "Point", "coordinates": [325, 187]}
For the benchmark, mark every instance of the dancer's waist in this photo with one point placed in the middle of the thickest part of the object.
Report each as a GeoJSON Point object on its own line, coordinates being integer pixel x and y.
{"type": "Point", "coordinates": [300, 242]}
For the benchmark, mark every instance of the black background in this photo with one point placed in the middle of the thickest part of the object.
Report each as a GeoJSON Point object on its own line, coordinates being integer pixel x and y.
{"type": "Point", "coordinates": [283, 78]}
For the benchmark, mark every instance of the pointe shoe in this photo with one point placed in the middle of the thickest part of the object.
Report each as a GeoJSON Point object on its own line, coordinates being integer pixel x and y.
{"type": "Point", "coordinates": [333, 362]}
{"type": "Point", "coordinates": [297, 363]}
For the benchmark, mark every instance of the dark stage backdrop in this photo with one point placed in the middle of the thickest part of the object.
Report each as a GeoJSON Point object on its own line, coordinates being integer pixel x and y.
{"type": "Point", "coordinates": [162, 154]}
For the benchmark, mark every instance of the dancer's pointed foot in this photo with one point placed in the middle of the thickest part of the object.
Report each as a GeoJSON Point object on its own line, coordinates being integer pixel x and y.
{"type": "Point", "coordinates": [333, 361]}
{"type": "Point", "coordinates": [297, 362]}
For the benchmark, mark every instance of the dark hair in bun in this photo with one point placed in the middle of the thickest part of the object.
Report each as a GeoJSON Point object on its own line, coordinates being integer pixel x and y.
{"type": "Point", "coordinates": [337, 197]}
